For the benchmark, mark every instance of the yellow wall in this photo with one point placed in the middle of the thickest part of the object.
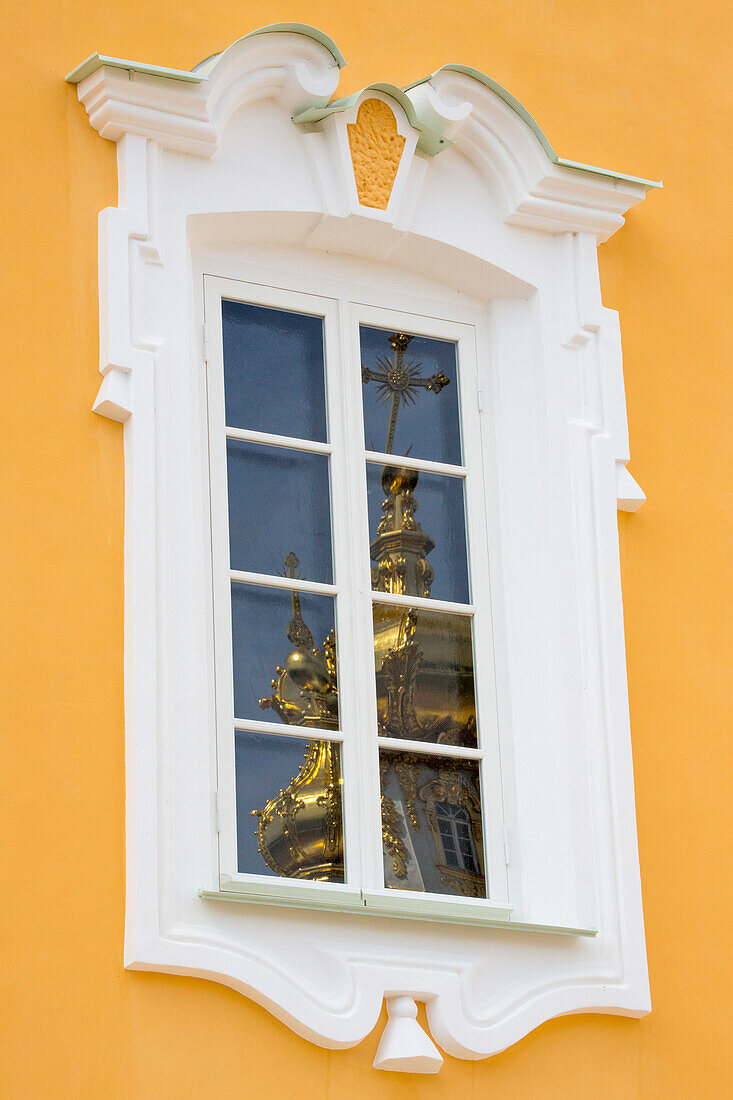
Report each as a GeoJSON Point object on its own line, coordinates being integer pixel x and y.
{"type": "Point", "coordinates": [633, 86]}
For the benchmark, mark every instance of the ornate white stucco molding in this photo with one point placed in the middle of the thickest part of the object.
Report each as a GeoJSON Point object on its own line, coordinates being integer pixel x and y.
{"type": "Point", "coordinates": [215, 176]}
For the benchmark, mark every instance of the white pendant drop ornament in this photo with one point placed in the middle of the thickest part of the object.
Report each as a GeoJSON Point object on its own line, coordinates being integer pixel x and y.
{"type": "Point", "coordinates": [404, 1046]}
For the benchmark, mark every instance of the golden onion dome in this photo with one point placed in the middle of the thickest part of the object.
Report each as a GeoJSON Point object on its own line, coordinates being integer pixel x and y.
{"type": "Point", "coordinates": [299, 833]}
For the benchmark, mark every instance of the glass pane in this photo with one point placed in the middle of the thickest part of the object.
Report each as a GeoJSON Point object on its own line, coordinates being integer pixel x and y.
{"type": "Point", "coordinates": [273, 371]}
{"type": "Point", "coordinates": [432, 835]}
{"type": "Point", "coordinates": [417, 530]}
{"type": "Point", "coordinates": [284, 656]}
{"type": "Point", "coordinates": [410, 390]}
{"type": "Point", "coordinates": [424, 667]}
{"type": "Point", "coordinates": [289, 807]}
{"type": "Point", "coordinates": [279, 504]}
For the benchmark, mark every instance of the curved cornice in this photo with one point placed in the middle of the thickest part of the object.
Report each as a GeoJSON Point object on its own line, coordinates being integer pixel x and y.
{"type": "Point", "coordinates": [521, 111]}
{"type": "Point", "coordinates": [531, 185]}
{"type": "Point", "coordinates": [323, 39]}
{"type": "Point", "coordinates": [203, 70]}
{"type": "Point", "coordinates": [188, 111]}
{"type": "Point", "coordinates": [415, 99]}
{"type": "Point", "coordinates": [298, 66]}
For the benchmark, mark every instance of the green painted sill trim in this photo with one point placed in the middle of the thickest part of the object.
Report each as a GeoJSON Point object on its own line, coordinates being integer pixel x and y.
{"type": "Point", "coordinates": [200, 72]}
{"type": "Point", "coordinates": [526, 117]}
{"type": "Point", "coordinates": [377, 905]}
{"type": "Point", "coordinates": [430, 141]}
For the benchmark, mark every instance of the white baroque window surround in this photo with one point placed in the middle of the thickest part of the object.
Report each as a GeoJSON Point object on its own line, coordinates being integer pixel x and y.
{"type": "Point", "coordinates": [241, 171]}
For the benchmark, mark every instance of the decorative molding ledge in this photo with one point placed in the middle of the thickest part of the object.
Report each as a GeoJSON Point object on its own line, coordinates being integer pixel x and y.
{"type": "Point", "coordinates": [629, 495]}
{"type": "Point", "coordinates": [188, 111]}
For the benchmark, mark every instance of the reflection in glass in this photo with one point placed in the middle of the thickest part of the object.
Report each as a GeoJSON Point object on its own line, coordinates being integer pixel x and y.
{"type": "Point", "coordinates": [410, 395]}
{"type": "Point", "coordinates": [424, 668]}
{"type": "Point", "coordinates": [454, 827]}
{"type": "Point", "coordinates": [273, 371]}
{"type": "Point", "coordinates": [278, 499]}
{"type": "Point", "coordinates": [289, 819]}
{"type": "Point", "coordinates": [423, 554]}
{"type": "Point", "coordinates": [286, 640]}
{"type": "Point", "coordinates": [431, 824]}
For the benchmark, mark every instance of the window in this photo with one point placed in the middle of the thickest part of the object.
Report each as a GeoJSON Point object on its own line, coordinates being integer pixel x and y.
{"type": "Point", "coordinates": [443, 792]}
{"type": "Point", "coordinates": [353, 635]}
{"type": "Point", "coordinates": [454, 828]}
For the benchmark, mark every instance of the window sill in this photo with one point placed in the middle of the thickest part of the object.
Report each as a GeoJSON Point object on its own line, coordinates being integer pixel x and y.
{"type": "Point", "coordinates": [402, 904]}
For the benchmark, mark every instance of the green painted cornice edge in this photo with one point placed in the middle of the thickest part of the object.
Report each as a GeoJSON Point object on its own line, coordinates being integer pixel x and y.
{"type": "Point", "coordinates": [520, 110]}
{"type": "Point", "coordinates": [430, 141]}
{"type": "Point", "coordinates": [99, 60]}
{"type": "Point", "coordinates": [197, 75]}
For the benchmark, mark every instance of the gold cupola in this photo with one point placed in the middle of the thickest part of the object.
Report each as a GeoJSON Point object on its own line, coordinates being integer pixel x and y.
{"type": "Point", "coordinates": [299, 833]}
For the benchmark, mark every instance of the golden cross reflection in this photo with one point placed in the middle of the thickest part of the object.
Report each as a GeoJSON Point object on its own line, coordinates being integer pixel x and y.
{"type": "Point", "coordinates": [400, 380]}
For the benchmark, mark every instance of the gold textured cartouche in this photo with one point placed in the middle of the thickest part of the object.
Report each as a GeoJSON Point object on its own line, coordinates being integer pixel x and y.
{"type": "Point", "coordinates": [376, 148]}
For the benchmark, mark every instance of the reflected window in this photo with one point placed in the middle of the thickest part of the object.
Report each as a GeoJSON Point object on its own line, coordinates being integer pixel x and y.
{"type": "Point", "coordinates": [432, 829]}
{"type": "Point", "coordinates": [454, 828]}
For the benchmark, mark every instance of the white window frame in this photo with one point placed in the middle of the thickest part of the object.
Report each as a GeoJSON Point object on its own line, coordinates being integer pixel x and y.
{"type": "Point", "coordinates": [245, 162]}
{"type": "Point", "coordinates": [342, 318]}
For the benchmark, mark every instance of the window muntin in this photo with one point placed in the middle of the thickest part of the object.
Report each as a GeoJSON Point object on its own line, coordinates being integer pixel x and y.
{"type": "Point", "coordinates": [454, 504]}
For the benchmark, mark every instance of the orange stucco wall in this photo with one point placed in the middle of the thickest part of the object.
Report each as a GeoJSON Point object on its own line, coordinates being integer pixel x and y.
{"type": "Point", "coordinates": [633, 86]}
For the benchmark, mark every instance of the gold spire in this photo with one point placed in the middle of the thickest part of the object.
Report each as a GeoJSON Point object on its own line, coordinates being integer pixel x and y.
{"type": "Point", "coordinates": [401, 547]}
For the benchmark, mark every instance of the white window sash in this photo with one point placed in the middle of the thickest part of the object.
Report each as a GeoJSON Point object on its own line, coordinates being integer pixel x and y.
{"type": "Point", "coordinates": [351, 589]}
